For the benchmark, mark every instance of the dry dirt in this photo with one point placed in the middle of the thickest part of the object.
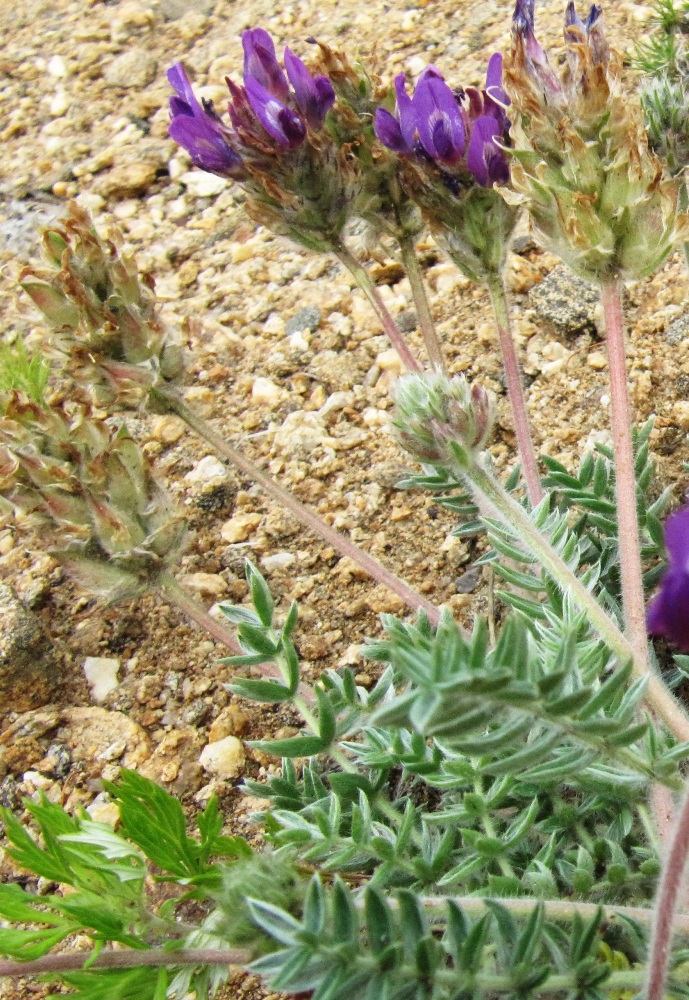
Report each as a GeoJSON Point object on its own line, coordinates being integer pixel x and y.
{"type": "Point", "coordinates": [77, 122]}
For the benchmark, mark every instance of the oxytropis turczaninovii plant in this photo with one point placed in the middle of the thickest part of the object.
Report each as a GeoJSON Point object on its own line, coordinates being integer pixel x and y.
{"type": "Point", "coordinates": [498, 816]}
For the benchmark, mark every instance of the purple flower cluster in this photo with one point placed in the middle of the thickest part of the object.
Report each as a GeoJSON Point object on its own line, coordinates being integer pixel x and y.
{"type": "Point", "coordinates": [451, 128]}
{"type": "Point", "coordinates": [274, 107]}
{"type": "Point", "coordinates": [668, 614]}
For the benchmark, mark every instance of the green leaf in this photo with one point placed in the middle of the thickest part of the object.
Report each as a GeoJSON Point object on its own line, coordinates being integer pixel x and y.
{"type": "Point", "coordinates": [269, 692]}
{"type": "Point", "coordinates": [261, 597]}
{"type": "Point", "coordinates": [298, 746]}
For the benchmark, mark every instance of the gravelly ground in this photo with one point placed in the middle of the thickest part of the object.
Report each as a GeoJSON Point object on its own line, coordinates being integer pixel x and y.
{"type": "Point", "coordinates": [83, 90]}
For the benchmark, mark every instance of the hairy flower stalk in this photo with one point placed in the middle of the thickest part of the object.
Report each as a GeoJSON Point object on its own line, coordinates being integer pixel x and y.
{"type": "Point", "coordinates": [669, 894]}
{"type": "Point", "coordinates": [450, 157]}
{"type": "Point", "coordinates": [88, 489]}
{"type": "Point", "coordinates": [597, 197]}
{"type": "Point", "coordinates": [446, 423]}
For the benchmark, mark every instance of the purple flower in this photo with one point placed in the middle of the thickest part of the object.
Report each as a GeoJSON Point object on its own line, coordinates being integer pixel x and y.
{"type": "Point", "coordinates": [314, 95]}
{"type": "Point", "coordinates": [439, 119]}
{"type": "Point", "coordinates": [260, 63]}
{"type": "Point", "coordinates": [199, 130]}
{"type": "Point", "coordinates": [280, 122]}
{"type": "Point", "coordinates": [485, 159]}
{"type": "Point", "coordinates": [397, 133]}
{"type": "Point", "coordinates": [668, 614]}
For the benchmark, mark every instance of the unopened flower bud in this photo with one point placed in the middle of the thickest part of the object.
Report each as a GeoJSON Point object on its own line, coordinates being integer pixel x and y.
{"type": "Point", "coordinates": [439, 420]}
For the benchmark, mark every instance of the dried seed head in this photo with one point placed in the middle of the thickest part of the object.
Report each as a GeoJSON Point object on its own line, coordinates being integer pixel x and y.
{"type": "Point", "coordinates": [103, 312]}
{"type": "Point", "coordinates": [88, 488]}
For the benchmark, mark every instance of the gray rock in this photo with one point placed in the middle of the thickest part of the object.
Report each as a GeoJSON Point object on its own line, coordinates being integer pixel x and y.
{"type": "Point", "coordinates": [308, 318]}
{"type": "Point", "coordinates": [172, 10]}
{"type": "Point", "coordinates": [469, 581]}
{"type": "Point", "coordinates": [134, 68]}
{"type": "Point", "coordinates": [28, 665]}
{"type": "Point", "coordinates": [21, 223]}
{"type": "Point", "coordinates": [566, 301]}
{"type": "Point", "coordinates": [678, 330]}
{"type": "Point", "coordinates": [406, 321]}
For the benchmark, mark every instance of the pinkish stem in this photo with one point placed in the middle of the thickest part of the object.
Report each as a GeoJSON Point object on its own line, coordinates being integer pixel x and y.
{"type": "Point", "coordinates": [515, 390]}
{"type": "Point", "coordinates": [300, 510]}
{"type": "Point", "coordinates": [123, 960]}
{"type": "Point", "coordinates": [666, 903]}
{"type": "Point", "coordinates": [363, 280]}
{"type": "Point", "coordinates": [633, 601]}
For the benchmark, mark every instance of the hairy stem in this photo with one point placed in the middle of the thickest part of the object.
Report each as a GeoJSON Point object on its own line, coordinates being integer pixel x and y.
{"type": "Point", "coordinates": [286, 499]}
{"type": "Point", "coordinates": [555, 909]}
{"type": "Point", "coordinates": [490, 493]}
{"type": "Point", "coordinates": [625, 480]}
{"type": "Point", "coordinates": [363, 280]}
{"type": "Point", "coordinates": [175, 593]}
{"type": "Point", "coordinates": [423, 309]}
{"type": "Point", "coordinates": [124, 960]}
{"type": "Point", "coordinates": [666, 904]}
{"type": "Point", "coordinates": [515, 389]}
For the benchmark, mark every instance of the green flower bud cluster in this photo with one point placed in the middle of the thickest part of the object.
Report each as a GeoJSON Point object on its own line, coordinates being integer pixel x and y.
{"type": "Point", "coordinates": [104, 313]}
{"type": "Point", "coordinates": [439, 420]}
{"type": "Point", "coordinates": [89, 487]}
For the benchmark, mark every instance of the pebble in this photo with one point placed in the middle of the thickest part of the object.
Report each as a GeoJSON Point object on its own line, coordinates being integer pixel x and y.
{"type": "Point", "coordinates": [278, 561]}
{"type": "Point", "coordinates": [301, 432]}
{"type": "Point", "coordinates": [135, 68]}
{"type": "Point", "coordinates": [390, 361]}
{"type": "Point", "coordinates": [207, 470]}
{"type": "Point", "coordinates": [200, 184]}
{"type": "Point", "coordinates": [239, 527]}
{"type": "Point", "coordinates": [680, 414]}
{"type": "Point", "coordinates": [57, 67]}
{"type": "Point", "coordinates": [597, 360]}
{"type": "Point", "coordinates": [232, 721]}
{"type": "Point", "coordinates": [168, 429]}
{"type": "Point", "coordinates": [59, 104]}
{"type": "Point", "coordinates": [101, 676]}
{"type": "Point", "coordinates": [209, 584]}
{"type": "Point", "coordinates": [223, 758]}
{"type": "Point", "coordinates": [127, 181]}
{"type": "Point", "coordinates": [266, 392]}
{"type": "Point", "coordinates": [566, 301]}
{"type": "Point", "coordinates": [678, 330]}
{"type": "Point", "coordinates": [173, 10]}
{"type": "Point", "coordinates": [307, 318]}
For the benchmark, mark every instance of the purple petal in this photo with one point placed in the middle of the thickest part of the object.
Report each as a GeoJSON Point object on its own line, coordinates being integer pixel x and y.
{"type": "Point", "coordinates": [572, 20]}
{"type": "Point", "coordinates": [484, 159]}
{"type": "Point", "coordinates": [439, 120]}
{"type": "Point", "coordinates": [281, 123]}
{"type": "Point", "coordinates": [388, 131]}
{"type": "Point", "coordinates": [315, 95]}
{"type": "Point", "coordinates": [668, 614]}
{"type": "Point", "coordinates": [186, 102]}
{"type": "Point", "coordinates": [593, 15]}
{"type": "Point", "coordinates": [260, 63]}
{"type": "Point", "coordinates": [677, 539]}
{"type": "Point", "coordinates": [406, 112]}
{"type": "Point", "coordinates": [494, 88]}
{"type": "Point", "coordinates": [206, 145]}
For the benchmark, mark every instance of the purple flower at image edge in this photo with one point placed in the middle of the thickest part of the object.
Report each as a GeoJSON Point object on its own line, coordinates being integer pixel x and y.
{"type": "Point", "coordinates": [668, 614]}
{"type": "Point", "coordinates": [199, 130]}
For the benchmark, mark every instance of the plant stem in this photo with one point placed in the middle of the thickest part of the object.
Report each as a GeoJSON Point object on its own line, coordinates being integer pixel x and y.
{"type": "Point", "coordinates": [423, 309]}
{"type": "Point", "coordinates": [171, 590]}
{"type": "Point", "coordinates": [124, 960]}
{"type": "Point", "coordinates": [556, 909]}
{"type": "Point", "coordinates": [666, 904]}
{"type": "Point", "coordinates": [515, 389]}
{"type": "Point", "coordinates": [307, 517]}
{"type": "Point", "coordinates": [491, 494]}
{"type": "Point", "coordinates": [363, 280]}
{"type": "Point", "coordinates": [625, 480]}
